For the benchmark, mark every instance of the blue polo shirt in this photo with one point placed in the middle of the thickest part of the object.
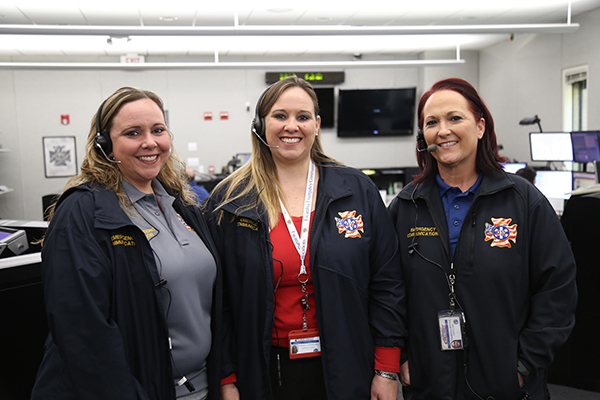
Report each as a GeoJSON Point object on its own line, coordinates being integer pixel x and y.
{"type": "Point", "coordinates": [456, 205]}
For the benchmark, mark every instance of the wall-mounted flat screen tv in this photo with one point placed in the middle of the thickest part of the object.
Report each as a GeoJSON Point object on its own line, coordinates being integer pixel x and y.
{"type": "Point", "coordinates": [326, 106]}
{"type": "Point", "coordinates": [376, 112]}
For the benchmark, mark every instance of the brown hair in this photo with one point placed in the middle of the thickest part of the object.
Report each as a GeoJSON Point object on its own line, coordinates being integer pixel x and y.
{"type": "Point", "coordinates": [96, 169]}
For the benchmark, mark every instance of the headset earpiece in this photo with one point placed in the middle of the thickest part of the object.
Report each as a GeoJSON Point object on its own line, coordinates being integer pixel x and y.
{"type": "Point", "coordinates": [421, 143]}
{"type": "Point", "coordinates": [102, 140]}
{"type": "Point", "coordinates": [258, 123]}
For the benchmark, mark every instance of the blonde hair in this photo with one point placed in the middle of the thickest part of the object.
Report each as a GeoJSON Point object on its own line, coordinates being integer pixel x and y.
{"type": "Point", "coordinates": [257, 179]}
{"type": "Point", "coordinates": [96, 169]}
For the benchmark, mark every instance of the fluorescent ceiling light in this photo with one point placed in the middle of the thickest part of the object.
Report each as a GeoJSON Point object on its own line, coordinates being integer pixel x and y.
{"type": "Point", "coordinates": [193, 45]}
{"type": "Point", "coordinates": [232, 65]}
{"type": "Point", "coordinates": [283, 30]}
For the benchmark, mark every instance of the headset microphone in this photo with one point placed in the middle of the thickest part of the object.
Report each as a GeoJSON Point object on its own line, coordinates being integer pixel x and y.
{"type": "Point", "coordinates": [263, 140]}
{"type": "Point", "coordinates": [98, 144]}
{"type": "Point", "coordinates": [422, 144]}
{"type": "Point", "coordinates": [431, 148]}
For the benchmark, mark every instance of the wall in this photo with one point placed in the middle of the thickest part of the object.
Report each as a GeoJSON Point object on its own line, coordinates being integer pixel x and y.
{"type": "Point", "coordinates": [31, 102]}
{"type": "Point", "coordinates": [10, 172]}
{"type": "Point", "coordinates": [523, 77]}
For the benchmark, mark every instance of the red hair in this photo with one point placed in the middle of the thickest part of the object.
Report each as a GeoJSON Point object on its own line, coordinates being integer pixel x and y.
{"type": "Point", "coordinates": [488, 159]}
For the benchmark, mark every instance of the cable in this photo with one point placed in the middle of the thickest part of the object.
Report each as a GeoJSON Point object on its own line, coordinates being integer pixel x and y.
{"type": "Point", "coordinates": [162, 285]}
{"type": "Point", "coordinates": [274, 309]}
{"type": "Point", "coordinates": [413, 247]}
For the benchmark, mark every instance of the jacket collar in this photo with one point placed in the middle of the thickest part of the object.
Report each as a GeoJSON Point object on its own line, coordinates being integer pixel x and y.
{"type": "Point", "coordinates": [489, 184]}
{"type": "Point", "coordinates": [332, 185]}
{"type": "Point", "coordinates": [108, 213]}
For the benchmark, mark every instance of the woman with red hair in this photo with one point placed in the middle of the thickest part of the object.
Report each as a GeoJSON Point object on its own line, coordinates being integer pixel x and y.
{"type": "Point", "coordinates": [490, 277]}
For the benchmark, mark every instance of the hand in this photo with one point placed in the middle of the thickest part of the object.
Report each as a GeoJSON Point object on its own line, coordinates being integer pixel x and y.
{"type": "Point", "coordinates": [404, 374]}
{"type": "Point", "coordinates": [230, 392]}
{"type": "Point", "coordinates": [384, 388]}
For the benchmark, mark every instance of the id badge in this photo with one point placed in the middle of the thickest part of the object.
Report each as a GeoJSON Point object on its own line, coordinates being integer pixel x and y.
{"type": "Point", "coordinates": [304, 343]}
{"type": "Point", "coordinates": [452, 329]}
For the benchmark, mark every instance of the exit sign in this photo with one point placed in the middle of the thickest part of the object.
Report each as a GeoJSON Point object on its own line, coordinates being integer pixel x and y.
{"type": "Point", "coordinates": [132, 59]}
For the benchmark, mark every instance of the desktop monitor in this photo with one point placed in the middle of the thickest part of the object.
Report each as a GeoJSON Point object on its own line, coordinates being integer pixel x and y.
{"type": "Point", "coordinates": [551, 146]}
{"type": "Point", "coordinates": [242, 158]}
{"type": "Point", "coordinates": [513, 167]}
{"type": "Point", "coordinates": [555, 184]}
{"type": "Point", "coordinates": [585, 146]}
{"type": "Point", "coordinates": [582, 180]}
{"type": "Point", "coordinates": [12, 242]}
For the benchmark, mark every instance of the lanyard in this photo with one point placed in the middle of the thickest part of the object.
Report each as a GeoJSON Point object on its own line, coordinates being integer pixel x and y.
{"type": "Point", "coordinates": [301, 241]}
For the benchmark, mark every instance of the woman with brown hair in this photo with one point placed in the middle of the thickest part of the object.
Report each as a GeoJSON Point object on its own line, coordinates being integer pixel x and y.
{"type": "Point", "coordinates": [130, 274]}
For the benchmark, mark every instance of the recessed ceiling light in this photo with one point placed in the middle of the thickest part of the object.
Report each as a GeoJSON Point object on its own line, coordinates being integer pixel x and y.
{"type": "Point", "coordinates": [280, 10]}
{"type": "Point", "coordinates": [168, 19]}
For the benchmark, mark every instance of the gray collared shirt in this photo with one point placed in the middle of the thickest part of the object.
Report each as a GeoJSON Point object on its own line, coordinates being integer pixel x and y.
{"type": "Point", "coordinates": [188, 267]}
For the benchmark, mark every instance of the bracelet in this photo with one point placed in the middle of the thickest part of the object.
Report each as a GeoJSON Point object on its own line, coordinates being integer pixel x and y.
{"type": "Point", "coordinates": [387, 375]}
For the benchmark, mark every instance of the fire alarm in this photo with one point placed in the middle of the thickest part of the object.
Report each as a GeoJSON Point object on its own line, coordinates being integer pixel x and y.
{"type": "Point", "coordinates": [208, 116]}
{"type": "Point", "coordinates": [224, 115]}
{"type": "Point", "coordinates": [64, 119]}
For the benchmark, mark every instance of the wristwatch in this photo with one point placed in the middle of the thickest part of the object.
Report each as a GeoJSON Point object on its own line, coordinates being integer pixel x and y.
{"type": "Point", "coordinates": [389, 375]}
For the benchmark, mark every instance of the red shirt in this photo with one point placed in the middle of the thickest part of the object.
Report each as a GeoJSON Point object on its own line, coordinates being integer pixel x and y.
{"type": "Point", "coordinates": [286, 266]}
{"type": "Point", "coordinates": [288, 309]}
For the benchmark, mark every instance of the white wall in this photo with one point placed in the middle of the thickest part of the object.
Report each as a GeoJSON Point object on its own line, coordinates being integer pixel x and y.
{"type": "Point", "coordinates": [31, 102]}
{"type": "Point", "coordinates": [523, 77]}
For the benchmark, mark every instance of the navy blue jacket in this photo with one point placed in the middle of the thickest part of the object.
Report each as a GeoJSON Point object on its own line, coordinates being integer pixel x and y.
{"type": "Point", "coordinates": [359, 292]}
{"type": "Point", "coordinates": [515, 280]}
{"type": "Point", "coordinates": [108, 335]}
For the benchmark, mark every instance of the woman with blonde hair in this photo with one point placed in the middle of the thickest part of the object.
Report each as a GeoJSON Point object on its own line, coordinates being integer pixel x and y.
{"type": "Point", "coordinates": [131, 278]}
{"type": "Point", "coordinates": [313, 291]}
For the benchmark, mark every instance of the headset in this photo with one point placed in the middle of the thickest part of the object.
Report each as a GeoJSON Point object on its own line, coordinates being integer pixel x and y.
{"type": "Point", "coordinates": [102, 140]}
{"type": "Point", "coordinates": [258, 123]}
{"type": "Point", "coordinates": [421, 143]}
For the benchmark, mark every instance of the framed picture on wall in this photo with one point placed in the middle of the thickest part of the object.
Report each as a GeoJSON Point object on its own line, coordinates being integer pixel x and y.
{"type": "Point", "coordinates": [60, 156]}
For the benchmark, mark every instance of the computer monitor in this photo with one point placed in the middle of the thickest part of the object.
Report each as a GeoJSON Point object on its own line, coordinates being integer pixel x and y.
{"type": "Point", "coordinates": [513, 167]}
{"type": "Point", "coordinates": [555, 184]}
{"type": "Point", "coordinates": [585, 146]}
{"type": "Point", "coordinates": [242, 158]}
{"type": "Point", "coordinates": [582, 180]}
{"type": "Point", "coordinates": [551, 146]}
{"type": "Point", "coordinates": [12, 242]}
